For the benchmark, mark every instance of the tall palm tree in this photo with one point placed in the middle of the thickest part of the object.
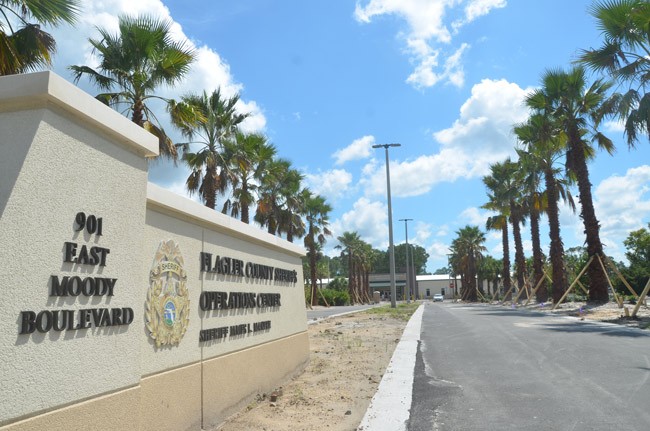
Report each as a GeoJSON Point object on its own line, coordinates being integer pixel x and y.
{"type": "Point", "coordinates": [270, 200]}
{"type": "Point", "coordinates": [248, 158]}
{"type": "Point", "coordinates": [317, 216]}
{"type": "Point", "coordinates": [135, 63]}
{"type": "Point", "coordinates": [467, 250]}
{"type": "Point", "coordinates": [351, 246]}
{"type": "Point", "coordinates": [625, 56]}
{"type": "Point", "coordinates": [505, 182]}
{"type": "Point", "coordinates": [536, 205]}
{"type": "Point", "coordinates": [544, 145]}
{"type": "Point", "coordinates": [291, 222]}
{"type": "Point", "coordinates": [216, 122]}
{"type": "Point", "coordinates": [579, 110]}
{"type": "Point", "coordinates": [500, 222]}
{"type": "Point", "coordinates": [26, 47]}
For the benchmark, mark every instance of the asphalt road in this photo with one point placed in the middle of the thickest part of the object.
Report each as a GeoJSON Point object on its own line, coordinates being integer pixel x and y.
{"type": "Point", "coordinates": [489, 368]}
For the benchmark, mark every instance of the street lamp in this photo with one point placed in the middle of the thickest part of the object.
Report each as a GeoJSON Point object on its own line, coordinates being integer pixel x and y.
{"type": "Point", "coordinates": [391, 251]}
{"type": "Point", "coordinates": [408, 272]}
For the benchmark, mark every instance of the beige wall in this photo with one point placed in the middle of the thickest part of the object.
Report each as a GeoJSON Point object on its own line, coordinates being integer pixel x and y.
{"type": "Point", "coordinates": [62, 153]}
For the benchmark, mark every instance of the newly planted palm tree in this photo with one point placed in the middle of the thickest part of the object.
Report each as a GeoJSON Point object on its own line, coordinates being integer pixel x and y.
{"type": "Point", "coordinates": [544, 146]}
{"type": "Point", "coordinates": [578, 110]}
{"type": "Point", "coordinates": [248, 160]}
{"type": "Point", "coordinates": [467, 250]}
{"type": "Point", "coordinates": [215, 123]}
{"type": "Point", "coordinates": [317, 219]}
{"type": "Point", "coordinates": [625, 57]}
{"type": "Point", "coordinates": [505, 182]}
{"type": "Point", "coordinates": [133, 65]}
{"type": "Point", "coordinates": [271, 199]}
{"type": "Point", "coordinates": [24, 46]}
{"type": "Point", "coordinates": [352, 249]}
{"type": "Point", "coordinates": [290, 219]}
{"type": "Point", "coordinates": [500, 222]}
{"type": "Point", "coordinates": [536, 204]}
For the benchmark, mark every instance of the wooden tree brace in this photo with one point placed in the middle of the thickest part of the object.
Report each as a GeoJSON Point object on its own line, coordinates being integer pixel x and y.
{"type": "Point", "coordinates": [573, 284]}
{"type": "Point", "coordinates": [641, 299]}
{"type": "Point", "coordinates": [620, 276]}
{"type": "Point", "coordinates": [619, 301]}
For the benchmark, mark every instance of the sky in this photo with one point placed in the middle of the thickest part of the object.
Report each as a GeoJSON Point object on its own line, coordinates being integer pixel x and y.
{"type": "Point", "coordinates": [325, 80]}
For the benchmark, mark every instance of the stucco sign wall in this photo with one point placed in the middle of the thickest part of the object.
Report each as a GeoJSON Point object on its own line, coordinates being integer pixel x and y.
{"type": "Point", "coordinates": [116, 291]}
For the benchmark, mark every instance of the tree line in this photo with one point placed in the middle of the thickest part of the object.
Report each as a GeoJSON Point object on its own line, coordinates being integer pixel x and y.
{"type": "Point", "coordinates": [350, 271]}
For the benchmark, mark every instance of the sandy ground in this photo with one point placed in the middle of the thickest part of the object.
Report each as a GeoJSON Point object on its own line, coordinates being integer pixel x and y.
{"type": "Point", "coordinates": [609, 312]}
{"type": "Point", "coordinates": [349, 355]}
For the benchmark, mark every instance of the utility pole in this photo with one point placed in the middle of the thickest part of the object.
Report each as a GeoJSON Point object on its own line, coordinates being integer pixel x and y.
{"type": "Point", "coordinates": [391, 250]}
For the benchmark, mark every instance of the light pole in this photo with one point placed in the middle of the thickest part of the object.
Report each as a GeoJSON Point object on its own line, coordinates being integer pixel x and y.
{"type": "Point", "coordinates": [391, 251]}
{"type": "Point", "coordinates": [408, 272]}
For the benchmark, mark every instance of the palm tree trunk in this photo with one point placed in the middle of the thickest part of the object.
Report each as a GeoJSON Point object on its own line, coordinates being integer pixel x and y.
{"type": "Point", "coordinates": [520, 259]}
{"type": "Point", "coordinates": [471, 275]}
{"type": "Point", "coordinates": [211, 193]}
{"type": "Point", "coordinates": [138, 112]}
{"type": "Point", "coordinates": [538, 260]}
{"type": "Point", "coordinates": [557, 248]}
{"type": "Point", "coordinates": [243, 202]}
{"type": "Point", "coordinates": [506, 259]}
{"type": "Point", "coordinates": [597, 279]}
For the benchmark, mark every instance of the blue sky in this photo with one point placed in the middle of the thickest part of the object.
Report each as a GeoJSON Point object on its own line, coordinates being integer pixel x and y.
{"type": "Point", "coordinates": [325, 80]}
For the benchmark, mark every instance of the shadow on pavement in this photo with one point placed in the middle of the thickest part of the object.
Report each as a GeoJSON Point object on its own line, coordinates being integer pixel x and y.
{"type": "Point", "coordinates": [589, 327]}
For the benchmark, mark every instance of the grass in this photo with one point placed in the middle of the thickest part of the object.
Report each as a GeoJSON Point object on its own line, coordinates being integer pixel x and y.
{"type": "Point", "coordinates": [403, 311]}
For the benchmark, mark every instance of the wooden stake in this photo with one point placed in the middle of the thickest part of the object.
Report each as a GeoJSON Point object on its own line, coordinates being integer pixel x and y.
{"type": "Point", "coordinates": [539, 284]}
{"type": "Point", "coordinates": [641, 299]}
{"type": "Point", "coordinates": [618, 301]}
{"type": "Point", "coordinates": [620, 276]}
{"type": "Point", "coordinates": [573, 284]}
{"type": "Point", "coordinates": [507, 293]}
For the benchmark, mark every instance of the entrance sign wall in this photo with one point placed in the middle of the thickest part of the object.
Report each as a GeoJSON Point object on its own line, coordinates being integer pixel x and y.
{"type": "Point", "coordinates": [125, 305]}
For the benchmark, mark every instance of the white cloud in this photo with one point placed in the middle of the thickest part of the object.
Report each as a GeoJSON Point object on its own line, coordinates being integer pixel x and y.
{"type": "Point", "coordinates": [359, 149]}
{"type": "Point", "coordinates": [331, 184]}
{"type": "Point", "coordinates": [480, 136]}
{"type": "Point", "coordinates": [428, 34]}
{"type": "Point", "coordinates": [476, 9]}
{"type": "Point", "coordinates": [369, 219]}
{"type": "Point", "coordinates": [622, 204]}
{"type": "Point", "coordinates": [438, 251]}
{"type": "Point", "coordinates": [474, 217]}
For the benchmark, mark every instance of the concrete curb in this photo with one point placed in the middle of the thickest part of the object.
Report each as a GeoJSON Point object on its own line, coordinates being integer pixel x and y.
{"type": "Point", "coordinates": [389, 409]}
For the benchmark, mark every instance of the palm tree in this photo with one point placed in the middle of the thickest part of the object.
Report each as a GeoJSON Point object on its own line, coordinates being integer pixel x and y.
{"type": "Point", "coordinates": [216, 122]}
{"type": "Point", "coordinates": [500, 222]}
{"type": "Point", "coordinates": [467, 250]}
{"type": "Point", "coordinates": [544, 146]}
{"type": "Point", "coordinates": [27, 47]}
{"type": "Point", "coordinates": [359, 257]}
{"type": "Point", "coordinates": [579, 111]}
{"type": "Point", "coordinates": [536, 205]}
{"type": "Point", "coordinates": [625, 56]}
{"type": "Point", "coordinates": [317, 216]}
{"type": "Point", "coordinates": [248, 158]}
{"type": "Point", "coordinates": [271, 201]}
{"type": "Point", "coordinates": [291, 222]}
{"type": "Point", "coordinates": [505, 182]}
{"type": "Point", "coordinates": [133, 64]}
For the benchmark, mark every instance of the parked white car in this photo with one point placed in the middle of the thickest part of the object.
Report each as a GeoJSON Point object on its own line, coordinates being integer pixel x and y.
{"type": "Point", "coordinates": [438, 297]}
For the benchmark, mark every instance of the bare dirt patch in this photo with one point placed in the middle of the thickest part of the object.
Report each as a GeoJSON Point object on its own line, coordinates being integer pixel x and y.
{"type": "Point", "coordinates": [349, 355]}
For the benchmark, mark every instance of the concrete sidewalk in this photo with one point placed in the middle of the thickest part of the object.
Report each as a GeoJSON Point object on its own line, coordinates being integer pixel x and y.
{"type": "Point", "coordinates": [389, 409]}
